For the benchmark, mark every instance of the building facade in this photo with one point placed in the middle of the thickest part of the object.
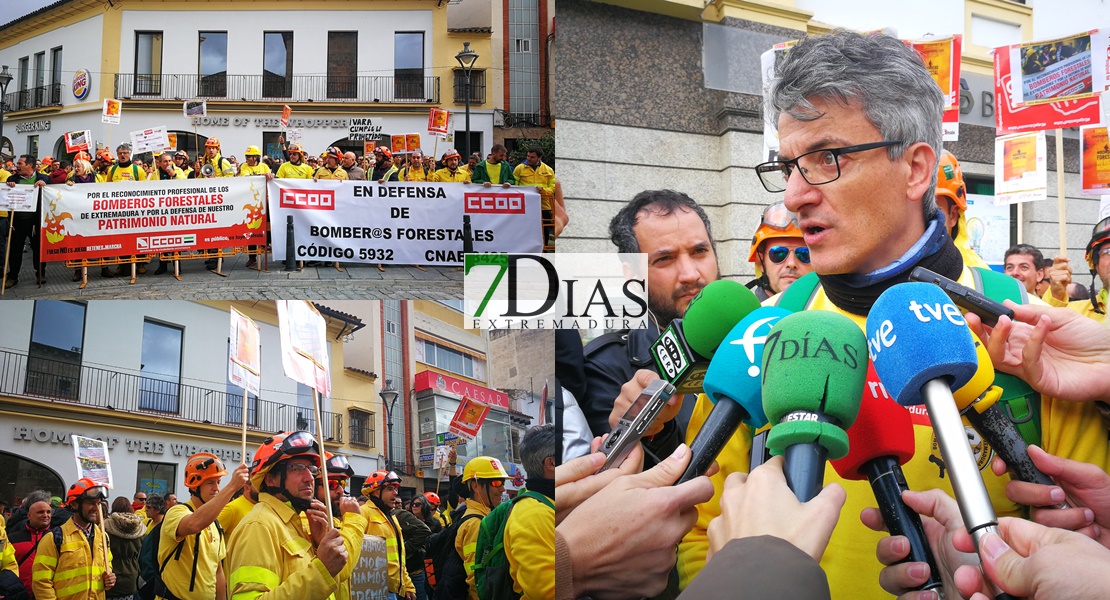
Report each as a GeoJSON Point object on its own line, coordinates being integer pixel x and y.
{"type": "Point", "coordinates": [376, 65]}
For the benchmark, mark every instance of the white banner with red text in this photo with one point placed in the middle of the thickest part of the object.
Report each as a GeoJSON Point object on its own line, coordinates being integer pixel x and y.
{"type": "Point", "coordinates": [113, 219]}
{"type": "Point", "coordinates": [401, 222]}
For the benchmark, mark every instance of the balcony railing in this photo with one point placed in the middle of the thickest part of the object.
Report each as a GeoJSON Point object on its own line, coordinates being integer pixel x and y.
{"type": "Point", "coordinates": [68, 383]}
{"type": "Point", "coordinates": [39, 97]}
{"type": "Point", "coordinates": [269, 87]}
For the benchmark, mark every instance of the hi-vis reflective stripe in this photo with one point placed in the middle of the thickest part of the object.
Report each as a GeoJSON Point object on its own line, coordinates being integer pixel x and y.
{"type": "Point", "coordinates": [255, 575]}
{"type": "Point", "coordinates": [470, 549]}
{"type": "Point", "coordinates": [43, 559]}
{"type": "Point", "coordinates": [391, 549]}
{"type": "Point", "coordinates": [97, 585]}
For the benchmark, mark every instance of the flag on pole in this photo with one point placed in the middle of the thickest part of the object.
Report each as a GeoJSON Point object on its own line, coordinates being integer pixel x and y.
{"type": "Point", "coordinates": [304, 346]}
{"type": "Point", "coordinates": [244, 353]}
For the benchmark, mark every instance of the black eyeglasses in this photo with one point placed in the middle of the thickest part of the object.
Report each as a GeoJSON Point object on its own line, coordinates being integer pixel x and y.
{"type": "Point", "coordinates": [817, 167]}
{"type": "Point", "coordinates": [777, 254]}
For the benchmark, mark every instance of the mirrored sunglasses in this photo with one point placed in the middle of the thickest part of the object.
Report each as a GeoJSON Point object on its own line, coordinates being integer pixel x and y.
{"type": "Point", "coordinates": [778, 254]}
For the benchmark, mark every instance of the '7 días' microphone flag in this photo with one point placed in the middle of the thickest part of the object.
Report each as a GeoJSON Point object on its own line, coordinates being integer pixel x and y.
{"type": "Point", "coordinates": [304, 346]}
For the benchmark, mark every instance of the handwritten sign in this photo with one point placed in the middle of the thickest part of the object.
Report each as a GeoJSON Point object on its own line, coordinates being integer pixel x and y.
{"type": "Point", "coordinates": [370, 578]}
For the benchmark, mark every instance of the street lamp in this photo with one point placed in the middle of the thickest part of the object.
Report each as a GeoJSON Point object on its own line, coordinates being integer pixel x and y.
{"type": "Point", "coordinates": [466, 59]}
{"type": "Point", "coordinates": [389, 399]}
{"type": "Point", "coordinates": [5, 79]}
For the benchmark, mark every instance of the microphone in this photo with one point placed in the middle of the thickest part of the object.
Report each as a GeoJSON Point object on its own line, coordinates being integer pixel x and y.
{"type": "Point", "coordinates": [880, 441]}
{"type": "Point", "coordinates": [732, 385]}
{"type": "Point", "coordinates": [684, 348]}
{"type": "Point", "coordinates": [977, 401]}
{"type": "Point", "coordinates": [814, 366]}
{"type": "Point", "coordinates": [922, 350]}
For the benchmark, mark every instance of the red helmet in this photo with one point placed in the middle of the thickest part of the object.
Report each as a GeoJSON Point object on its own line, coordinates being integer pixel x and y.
{"type": "Point", "coordinates": [212, 141]}
{"type": "Point", "coordinates": [333, 152]}
{"type": "Point", "coordinates": [432, 498]}
{"type": "Point", "coordinates": [377, 479]}
{"type": "Point", "coordinates": [280, 447]}
{"type": "Point", "coordinates": [201, 467]}
{"type": "Point", "coordinates": [82, 155]}
{"type": "Point", "coordinates": [86, 488]}
{"type": "Point", "coordinates": [385, 151]}
{"type": "Point", "coordinates": [338, 467]}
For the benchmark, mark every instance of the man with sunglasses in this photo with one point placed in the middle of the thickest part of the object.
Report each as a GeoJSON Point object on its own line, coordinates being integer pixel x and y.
{"type": "Point", "coordinates": [75, 566]}
{"type": "Point", "coordinates": [346, 516]}
{"type": "Point", "coordinates": [778, 251]}
{"type": "Point", "coordinates": [382, 488]}
{"type": "Point", "coordinates": [196, 571]}
{"type": "Point", "coordinates": [287, 546]}
{"type": "Point", "coordinates": [483, 479]}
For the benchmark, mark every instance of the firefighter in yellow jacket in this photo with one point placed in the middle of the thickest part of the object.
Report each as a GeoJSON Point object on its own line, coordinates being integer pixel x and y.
{"type": "Point", "coordinates": [346, 516]}
{"type": "Point", "coordinates": [274, 552]}
{"type": "Point", "coordinates": [76, 568]}
{"type": "Point", "coordinates": [484, 478]}
{"type": "Point", "coordinates": [381, 488]}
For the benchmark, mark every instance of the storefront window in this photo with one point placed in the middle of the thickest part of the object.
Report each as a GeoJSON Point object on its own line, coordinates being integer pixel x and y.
{"type": "Point", "coordinates": [20, 476]}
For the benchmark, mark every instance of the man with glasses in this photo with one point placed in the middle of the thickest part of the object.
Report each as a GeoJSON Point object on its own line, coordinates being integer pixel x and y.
{"type": "Point", "coordinates": [287, 546]}
{"type": "Point", "coordinates": [381, 488]}
{"type": "Point", "coordinates": [82, 569]}
{"type": "Point", "coordinates": [195, 570]}
{"type": "Point", "coordinates": [778, 251]}
{"type": "Point", "coordinates": [484, 481]}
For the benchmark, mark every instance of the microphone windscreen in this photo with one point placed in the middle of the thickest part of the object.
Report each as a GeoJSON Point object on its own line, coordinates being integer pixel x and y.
{"type": "Point", "coordinates": [716, 309]}
{"type": "Point", "coordinates": [736, 366]}
{"type": "Point", "coordinates": [914, 335]}
{"type": "Point", "coordinates": [883, 428]}
{"type": "Point", "coordinates": [981, 381]}
{"type": "Point", "coordinates": [814, 363]}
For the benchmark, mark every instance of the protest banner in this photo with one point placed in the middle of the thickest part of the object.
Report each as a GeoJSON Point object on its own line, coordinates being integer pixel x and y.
{"type": "Point", "coordinates": [437, 121]}
{"type": "Point", "coordinates": [1020, 169]}
{"type": "Point", "coordinates": [468, 418]}
{"type": "Point", "coordinates": [171, 141]}
{"type": "Point", "coordinates": [92, 460]}
{"type": "Point", "coordinates": [942, 58]}
{"type": "Point", "coordinates": [195, 108]}
{"type": "Point", "coordinates": [362, 129]}
{"type": "Point", "coordinates": [77, 141]}
{"type": "Point", "coordinates": [368, 147]}
{"type": "Point", "coordinates": [1012, 118]}
{"type": "Point", "coordinates": [441, 459]}
{"type": "Point", "coordinates": [244, 362]}
{"type": "Point", "coordinates": [412, 140]}
{"type": "Point", "coordinates": [370, 577]}
{"type": "Point", "coordinates": [112, 219]}
{"type": "Point", "coordinates": [1095, 166]}
{"type": "Point", "coordinates": [21, 198]}
{"type": "Point", "coordinates": [286, 112]}
{"type": "Point", "coordinates": [111, 112]}
{"type": "Point", "coordinates": [1059, 69]}
{"type": "Point", "coordinates": [304, 345]}
{"type": "Point", "coordinates": [154, 139]}
{"type": "Point", "coordinates": [398, 144]}
{"type": "Point", "coordinates": [401, 222]}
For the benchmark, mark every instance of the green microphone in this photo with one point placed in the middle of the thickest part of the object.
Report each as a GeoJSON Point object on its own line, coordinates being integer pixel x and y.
{"type": "Point", "coordinates": [814, 369]}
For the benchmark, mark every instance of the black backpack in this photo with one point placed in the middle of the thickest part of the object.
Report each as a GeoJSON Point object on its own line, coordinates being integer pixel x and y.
{"type": "Point", "coordinates": [148, 562]}
{"type": "Point", "coordinates": [447, 575]}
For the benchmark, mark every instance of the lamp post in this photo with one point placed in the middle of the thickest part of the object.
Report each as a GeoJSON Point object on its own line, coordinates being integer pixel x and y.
{"type": "Point", "coordinates": [5, 79]}
{"type": "Point", "coordinates": [389, 399]}
{"type": "Point", "coordinates": [466, 59]}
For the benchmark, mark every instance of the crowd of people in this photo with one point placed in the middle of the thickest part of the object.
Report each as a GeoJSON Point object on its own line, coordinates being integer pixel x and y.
{"type": "Point", "coordinates": [265, 531]}
{"type": "Point", "coordinates": [333, 164]}
{"type": "Point", "coordinates": [868, 195]}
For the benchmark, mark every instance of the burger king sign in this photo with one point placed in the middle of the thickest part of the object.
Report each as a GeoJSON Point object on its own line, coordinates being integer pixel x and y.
{"type": "Point", "coordinates": [81, 84]}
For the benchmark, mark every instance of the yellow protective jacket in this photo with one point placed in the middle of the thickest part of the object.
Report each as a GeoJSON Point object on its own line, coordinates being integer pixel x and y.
{"type": "Point", "coordinates": [411, 174]}
{"type": "Point", "coordinates": [288, 170]}
{"type": "Point", "coordinates": [131, 172]}
{"type": "Point", "coordinates": [530, 549]}
{"type": "Point", "coordinates": [1083, 307]}
{"type": "Point", "coordinates": [246, 170]}
{"type": "Point", "coordinates": [272, 557]}
{"type": "Point", "coordinates": [326, 173]}
{"type": "Point", "coordinates": [74, 573]}
{"type": "Point", "coordinates": [444, 176]}
{"type": "Point", "coordinates": [542, 176]}
{"type": "Point", "coordinates": [1069, 429]}
{"type": "Point", "coordinates": [466, 542]}
{"type": "Point", "coordinates": [223, 166]}
{"type": "Point", "coordinates": [376, 524]}
{"type": "Point", "coordinates": [7, 554]}
{"type": "Point", "coordinates": [233, 512]}
{"type": "Point", "coordinates": [351, 528]}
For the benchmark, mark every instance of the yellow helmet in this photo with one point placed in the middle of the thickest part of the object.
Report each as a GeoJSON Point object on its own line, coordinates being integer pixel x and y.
{"type": "Point", "coordinates": [252, 151]}
{"type": "Point", "coordinates": [483, 467]}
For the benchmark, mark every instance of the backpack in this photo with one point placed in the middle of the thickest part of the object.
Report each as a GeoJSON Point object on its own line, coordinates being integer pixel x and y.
{"type": "Point", "coordinates": [1020, 402]}
{"type": "Point", "coordinates": [491, 567]}
{"type": "Point", "coordinates": [134, 172]}
{"type": "Point", "coordinates": [151, 571]}
{"type": "Point", "coordinates": [444, 566]}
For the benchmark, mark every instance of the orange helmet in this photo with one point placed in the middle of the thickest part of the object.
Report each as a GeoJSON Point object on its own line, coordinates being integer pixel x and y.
{"type": "Point", "coordinates": [386, 152]}
{"type": "Point", "coordinates": [296, 149]}
{"type": "Point", "coordinates": [82, 155]}
{"type": "Point", "coordinates": [377, 479]}
{"type": "Point", "coordinates": [212, 142]}
{"type": "Point", "coordinates": [950, 180]}
{"type": "Point", "coordinates": [181, 154]}
{"type": "Point", "coordinates": [201, 467]}
{"type": "Point", "coordinates": [338, 467]}
{"type": "Point", "coordinates": [333, 152]}
{"type": "Point", "coordinates": [86, 488]}
{"type": "Point", "coordinates": [1099, 235]}
{"type": "Point", "coordinates": [432, 498]}
{"type": "Point", "coordinates": [776, 222]}
{"type": "Point", "coordinates": [451, 153]}
{"type": "Point", "coordinates": [104, 155]}
{"type": "Point", "coordinates": [280, 447]}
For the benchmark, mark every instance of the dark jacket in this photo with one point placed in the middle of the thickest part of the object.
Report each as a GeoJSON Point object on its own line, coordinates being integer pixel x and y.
{"type": "Point", "coordinates": [416, 534]}
{"type": "Point", "coordinates": [611, 361]}
{"type": "Point", "coordinates": [125, 535]}
{"type": "Point", "coordinates": [481, 174]}
{"type": "Point", "coordinates": [763, 567]}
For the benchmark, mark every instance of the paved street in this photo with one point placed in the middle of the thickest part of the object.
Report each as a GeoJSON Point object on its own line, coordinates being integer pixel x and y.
{"type": "Point", "coordinates": [355, 282]}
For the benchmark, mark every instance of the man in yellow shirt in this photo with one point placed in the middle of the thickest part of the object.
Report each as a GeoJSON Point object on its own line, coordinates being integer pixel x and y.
{"type": "Point", "coordinates": [221, 167]}
{"type": "Point", "coordinates": [286, 547]}
{"type": "Point", "coordinates": [1098, 259]}
{"type": "Point", "coordinates": [124, 169]}
{"type": "Point", "coordinates": [451, 172]}
{"type": "Point", "coordinates": [195, 570]}
{"type": "Point", "coordinates": [415, 170]}
{"type": "Point", "coordinates": [484, 478]}
{"type": "Point", "coordinates": [295, 167]}
{"type": "Point", "coordinates": [254, 164]}
{"type": "Point", "coordinates": [331, 168]}
{"type": "Point", "coordinates": [530, 527]}
{"type": "Point", "coordinates": [76, 568]}
{"type": "Point", "coordinates": [381, 489]}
